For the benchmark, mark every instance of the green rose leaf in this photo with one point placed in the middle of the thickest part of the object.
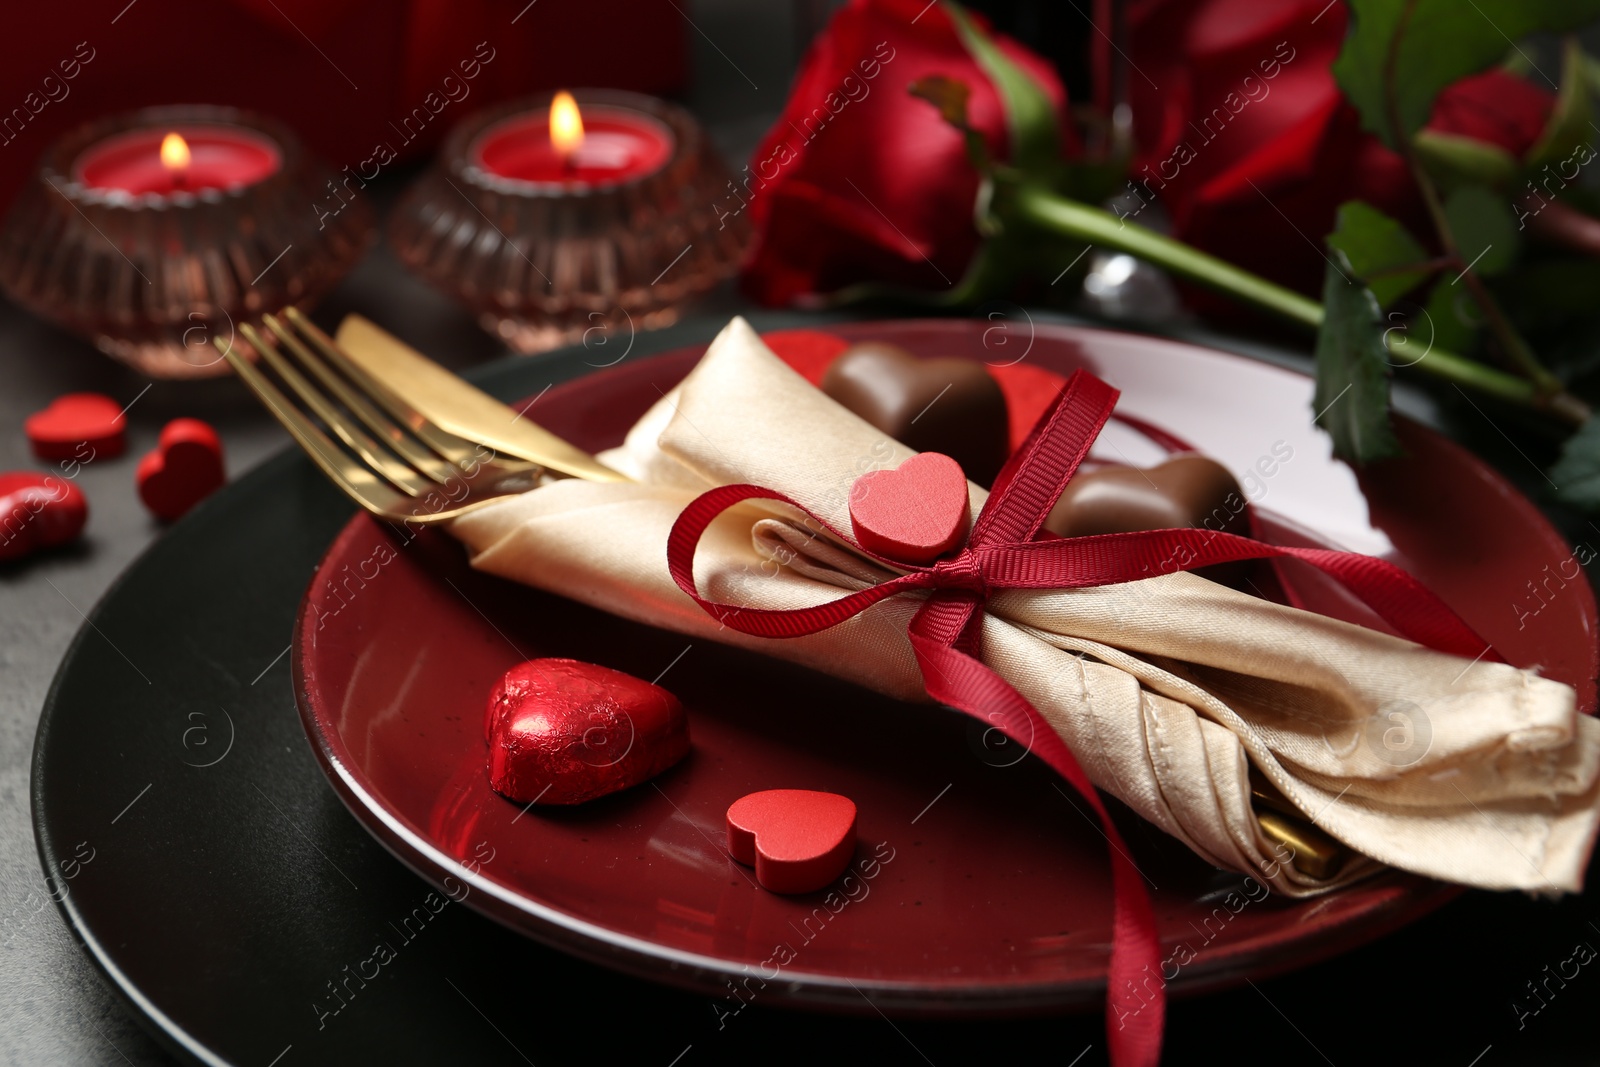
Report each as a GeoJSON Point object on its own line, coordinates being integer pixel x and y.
{"type": "Point", "coordinates": [1484, 228]}
{"type": "Point", "coordinates": [1352, 395]}
{"type": "Point", "coordinates": [1373, 243]}
{"type": "Point", "coordinates": [1434, 43]}
{"type": "Point", "coordinates": [1591, 73]}
{"type": "Point", "coordinates": [1031, 118]}
{"type": "Point", "coordinates": [1569, 124]}
{"type": "Point", "coordinates": [1577, 473]}
{"type": "Point", "coordinates": [1450, 320]}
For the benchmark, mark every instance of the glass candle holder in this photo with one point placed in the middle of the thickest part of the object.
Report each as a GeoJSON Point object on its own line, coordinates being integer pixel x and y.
{"type": "Point", "coordinates": [157, 250]}
{"type": "Point", "coordinates": [549, 247]}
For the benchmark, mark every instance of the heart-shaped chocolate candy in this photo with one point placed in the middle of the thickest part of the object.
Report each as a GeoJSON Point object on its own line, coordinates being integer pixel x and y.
{"type": "Point", "coordinates": [562, 732]}
{"type": "Point", "coordinates": [951, 406]}
{"type": "Point", "coordinates": [1188, 491]}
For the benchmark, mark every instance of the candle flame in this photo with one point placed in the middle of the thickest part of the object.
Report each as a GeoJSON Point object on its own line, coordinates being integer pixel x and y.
{"type": "Point", "coordinates": [174, 152]}
{"type": "Point", "coordinates": [566, 124]}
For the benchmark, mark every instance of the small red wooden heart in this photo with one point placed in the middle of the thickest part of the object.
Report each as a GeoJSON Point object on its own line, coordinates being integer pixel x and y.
{"type": "Point", "coordinates": [563, 732]}
{"type": "Point", "coordinates": [76, 420]}
{"type": "Point", "coordinates": [914, 513]}
{"type": "Point", "coordinates": [185, 468]}
{"type": "Point", "coordinates": [798, 840]}
{"type": "Point", "coordinates": [38, 511]}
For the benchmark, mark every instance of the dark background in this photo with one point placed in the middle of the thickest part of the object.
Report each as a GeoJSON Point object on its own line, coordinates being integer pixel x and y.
{"type": "Point", "coordinates": [278, 57]}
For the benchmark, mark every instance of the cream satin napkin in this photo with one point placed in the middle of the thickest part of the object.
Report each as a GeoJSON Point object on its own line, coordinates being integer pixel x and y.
{"type": "Point", "coordinates": [1167, 689]}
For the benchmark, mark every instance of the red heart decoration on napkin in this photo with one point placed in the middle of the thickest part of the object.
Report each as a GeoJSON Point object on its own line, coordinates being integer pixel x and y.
{"type": "Point", "coordinates": [38, 511]}
{"type": "Point", "coordinates": [185, 468]}
{"type": "Point", "coordinates": [914, 513]}
{"type": "Point", "coordinates": [75, 420]}
{"type": "Point", "coordinates": [563, 732]}
{"type": "Point", "coordinates": [808, 352]}
{"type": "Point", "coordinates": [798, 840]}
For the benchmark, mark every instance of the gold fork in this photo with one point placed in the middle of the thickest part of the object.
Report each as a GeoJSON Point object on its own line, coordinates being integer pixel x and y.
{"type": "Point", "coordinates": [390, 458]}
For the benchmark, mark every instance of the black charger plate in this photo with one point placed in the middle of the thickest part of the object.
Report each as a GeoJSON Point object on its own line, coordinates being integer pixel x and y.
{"type": "Point", "coordinates": [211, 872]}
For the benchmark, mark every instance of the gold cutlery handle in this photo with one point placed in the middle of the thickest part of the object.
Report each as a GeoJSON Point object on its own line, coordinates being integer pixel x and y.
{"type": "Point", "coordinates": [1312, 852]}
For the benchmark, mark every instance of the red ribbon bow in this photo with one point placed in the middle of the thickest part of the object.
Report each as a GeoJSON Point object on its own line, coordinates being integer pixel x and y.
{"type": "Point", "coordinates": [1002, 553]}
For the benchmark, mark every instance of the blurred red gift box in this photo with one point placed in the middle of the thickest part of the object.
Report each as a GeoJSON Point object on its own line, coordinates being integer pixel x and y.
{"type": "Point", "coordinates": [348, 75]}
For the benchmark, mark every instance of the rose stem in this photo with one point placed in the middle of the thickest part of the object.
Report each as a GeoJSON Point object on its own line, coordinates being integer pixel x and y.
{"type": "Point", "coordinates": [1081, 222]}
{"type": "Point", "coordinates": [1511, 341]}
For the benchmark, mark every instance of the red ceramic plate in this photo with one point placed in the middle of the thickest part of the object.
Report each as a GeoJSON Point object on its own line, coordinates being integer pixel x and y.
{"type": "Point", "coordinates": [979, 884]}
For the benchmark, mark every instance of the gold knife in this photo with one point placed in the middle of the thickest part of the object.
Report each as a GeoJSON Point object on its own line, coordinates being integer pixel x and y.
{"type": "Point", "coordinates": [460, 408]}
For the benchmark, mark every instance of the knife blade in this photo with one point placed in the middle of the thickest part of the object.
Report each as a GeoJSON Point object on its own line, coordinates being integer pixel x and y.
{"type": "Point", "coordinates": [459, 407]}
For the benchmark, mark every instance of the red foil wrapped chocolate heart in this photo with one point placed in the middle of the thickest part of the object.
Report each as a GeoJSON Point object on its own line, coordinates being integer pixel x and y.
{"type": "Point", "coordinates": [563, 732]}
{"type": "Point", "coordinates": [38, 511]}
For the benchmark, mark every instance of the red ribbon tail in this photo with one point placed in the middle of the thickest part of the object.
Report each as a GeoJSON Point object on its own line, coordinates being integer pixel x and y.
{"type": "Point", "coordinates": [1135, 990]}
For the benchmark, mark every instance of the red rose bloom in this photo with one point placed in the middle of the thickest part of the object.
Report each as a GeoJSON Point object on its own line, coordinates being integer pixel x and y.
{"type": "Point", "coordinates": [858, 180]}
{"type": "Point", "coordinates": [1495, 107]}
{"type": "Point", "coordinates": [1246, 139]}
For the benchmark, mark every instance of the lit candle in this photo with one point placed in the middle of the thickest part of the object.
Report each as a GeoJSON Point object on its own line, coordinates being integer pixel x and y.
{"type": "Point", "coordinates": [176, 157]}
{"type": "Point", "coordinates": [556, 227]}
{"type": "Point", "coordinates": [604, 146]}
{"type": "Point", "coordinates": [156, 233]}
{"type": "Point", "coordinates": [189, 159]}
{"type": "Point", "coordinates": [566, 128]}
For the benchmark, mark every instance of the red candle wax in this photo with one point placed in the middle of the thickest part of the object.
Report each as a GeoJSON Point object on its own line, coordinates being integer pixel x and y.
{"type": "Point", "coordinates": [220, 157]}
{"type": "Point", "coordinates": [618, 145]}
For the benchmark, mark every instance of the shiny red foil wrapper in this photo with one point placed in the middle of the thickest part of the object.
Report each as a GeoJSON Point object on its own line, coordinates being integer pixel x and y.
{"type": "Point", "coordinates": [564, 732]}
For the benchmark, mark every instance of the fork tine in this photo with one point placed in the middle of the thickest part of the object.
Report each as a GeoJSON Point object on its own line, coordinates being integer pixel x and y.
{"type": "Point", "coordinates": [376, 457]}
{"type": "Point", "coordinates": [456, 449]}
{"type": "Point", "coordinates": [358, 482]}
{"type": "Point", "coordinates": [395, 435]}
